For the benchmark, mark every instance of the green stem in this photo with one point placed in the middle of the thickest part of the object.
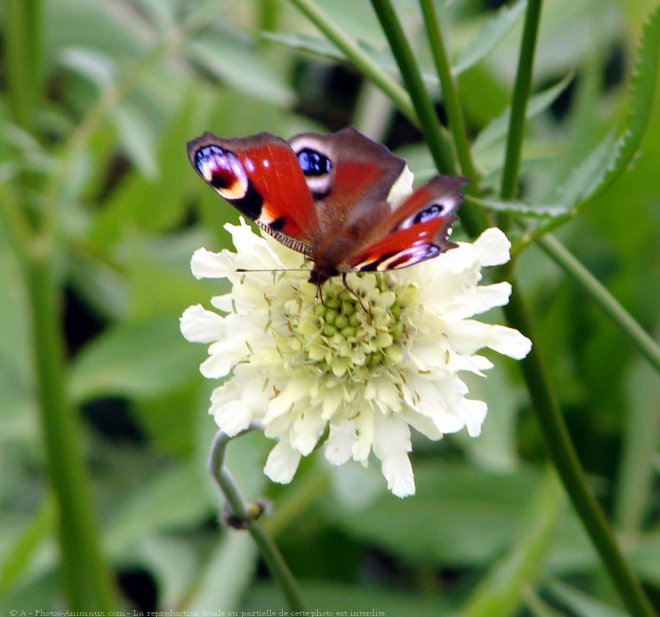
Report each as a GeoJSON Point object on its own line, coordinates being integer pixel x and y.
{"type": "Point", "coordinates": [449, 94]}
{"type": "Point", "coordinates": [521, 92]}
{"type": "Point", "coordinates": [635, 334]}
{"type": "Point", "coordinates": [568, 465]}
{"type": "Point", "coordinates": [357, 56]}
{"type": "Point", "coordinates": [412, 78]}
{"type": "Point", "coordinates": [87, 580]}
{"type": "Point", "coordinates": [543, 399]}
{"type": "Point", "coordinates": [24, 58]}
{"type": "Point", "coordinates": [473, 218]}
{"type": "Point", "coordinates": [269, 551]}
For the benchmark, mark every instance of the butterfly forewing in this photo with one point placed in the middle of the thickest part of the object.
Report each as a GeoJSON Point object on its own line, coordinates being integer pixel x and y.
{"type": "Point", "coordinates": [261, 177]}
{"type": "Point", "coordinates": [330, 197]}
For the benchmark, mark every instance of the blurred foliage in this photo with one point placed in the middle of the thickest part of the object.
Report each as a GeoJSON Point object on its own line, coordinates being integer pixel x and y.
{"type": "Point", "coordinates": [122, 85]}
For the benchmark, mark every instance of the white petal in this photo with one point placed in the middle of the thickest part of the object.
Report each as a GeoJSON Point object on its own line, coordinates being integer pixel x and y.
{"type": "Point", "coordinates": [468, 336]}
{"type": "Point", "coordinates": [391, 445]}
{"type": "Point", "coordinates": [306, 430]}
{"type": "Point", "coordinates": [402, 188]}
{"type": "Point", "coordinates": [474, 413]}
{"type": "Point", "coordinates": [364, 427]}
{"type": "Point", "coordinates": [339, 446]}
{"type": "Point", "coordinates": [493, 247]}
{"type": "Point", "coordinates": [201, 326]}
{"type": "Point", "coordinates": [206, 264]}
{"type": "Point", "coordinates": [232, 417]}
{"type": "Point", "coordinates": [477, 300]}
{"type": "Point", "coordinates": [282, 463]}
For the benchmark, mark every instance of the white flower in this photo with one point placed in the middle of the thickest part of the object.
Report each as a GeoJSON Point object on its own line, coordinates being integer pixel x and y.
{"type": "Point", "coordinates": [357, 369]}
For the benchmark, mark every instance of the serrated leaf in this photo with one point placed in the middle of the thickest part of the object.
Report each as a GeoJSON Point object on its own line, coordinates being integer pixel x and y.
{"type": "Point", "coordinates": [609, 160]}
{"type": "Point", "coordinates": [538, 103]}
{"type": "Point", "coordinates": [491, 34]}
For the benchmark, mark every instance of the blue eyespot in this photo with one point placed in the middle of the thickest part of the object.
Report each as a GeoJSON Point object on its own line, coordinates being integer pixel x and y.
{"type": "Point", "coordinates": [314, 163]}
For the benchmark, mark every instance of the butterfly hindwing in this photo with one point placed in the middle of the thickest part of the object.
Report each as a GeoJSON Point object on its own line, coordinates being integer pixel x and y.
{"type": "Point", "coordinates": [416, 231]}
{"type": "Point", "coordinates": [261, 177]}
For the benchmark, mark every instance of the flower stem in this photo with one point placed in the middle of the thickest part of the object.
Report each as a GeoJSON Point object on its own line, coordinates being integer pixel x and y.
{"type": "Point", "coordinates": [541, 392]}
{"type": "Point", "coordinates": [412, 78]}
{"type": "Point", "coordinates": [87, 579]}
{"type": "Point", "coordinates": [449, 94]}
{"type": "Point", "coordinates": [269, 551]}
{"type": "Point", "coordinates": [24, 58]}
{"type": "Point", "coordinates": [568, 465]}
{"type": "Point", "coordinates": [603, 298]}
{"type": "Point", "coordinates": [521, 92]}
{"type": "Point", "coordinates": [472, 217]}
{"type": "Point", "coordinates": [357, 56]}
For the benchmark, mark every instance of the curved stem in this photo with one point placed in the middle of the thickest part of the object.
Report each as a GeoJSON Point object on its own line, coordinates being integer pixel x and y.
{"type": "Point", "coordinates": [269, 551]}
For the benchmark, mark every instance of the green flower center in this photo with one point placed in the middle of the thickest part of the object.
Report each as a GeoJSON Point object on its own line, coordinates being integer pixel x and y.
{"type": "Point", "coordinates": [356, 328]}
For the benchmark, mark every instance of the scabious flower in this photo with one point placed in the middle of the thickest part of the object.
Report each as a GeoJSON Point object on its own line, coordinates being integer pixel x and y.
{"type": "Point", "coordinates": [357, 366]}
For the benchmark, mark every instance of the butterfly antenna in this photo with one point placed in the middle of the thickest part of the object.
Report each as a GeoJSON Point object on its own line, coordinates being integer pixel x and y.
{"type": "Point", "coordinates": [272, 270]}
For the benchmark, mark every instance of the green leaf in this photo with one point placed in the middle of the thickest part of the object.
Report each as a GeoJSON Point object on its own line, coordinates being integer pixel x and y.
{"type": "Point", "coordinates": [175, 498]}
{"type": "Point", "coordinates": [141, 358]}
{"type": "Point", "coordinates": [491, 34]}
{"type": "Point", "coordinates": [638, 458]}
{"type": "Point", "coordinates": [233, 562]}
{"type": "Point", "coordinates": [91, 64]}
{"type": "Point", "coordinates": [136, 134]}
{"type": "Point", "coordinates": [581, 604]}
{"type": "Point", "coordinates": [240, 67]}
{"type": "Point", "coordinates": [502, 591]}
{"type": "Point", "coordinates": [480, 512]}
{"type": "Point", "coordinates": [333, 597]}
{"type": "Point", "coordinates": [609, 160]}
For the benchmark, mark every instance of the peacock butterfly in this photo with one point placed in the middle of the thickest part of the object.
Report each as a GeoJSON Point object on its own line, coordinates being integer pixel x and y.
{"type": "Point", "coordinates": [329, 197]}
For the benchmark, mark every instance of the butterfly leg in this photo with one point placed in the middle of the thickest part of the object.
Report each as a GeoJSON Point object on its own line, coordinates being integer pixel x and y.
{"type": "Point", "coordinates": [358, 297]}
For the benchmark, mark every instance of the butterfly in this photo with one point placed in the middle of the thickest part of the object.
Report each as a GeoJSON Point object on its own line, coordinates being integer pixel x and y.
{"type": "Point", "coordinates": [330, 198]}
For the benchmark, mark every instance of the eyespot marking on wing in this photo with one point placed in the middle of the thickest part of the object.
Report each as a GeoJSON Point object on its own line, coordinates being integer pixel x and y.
{"type": "Point", "coordinates": [223, 171]}
{"type": "Point", "coordinates": [315, 165]}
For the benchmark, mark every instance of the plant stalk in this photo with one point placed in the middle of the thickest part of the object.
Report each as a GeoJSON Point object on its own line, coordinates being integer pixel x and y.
{"type": "Point", "coordinates": [269, 551]}
{"type": "Point", "coordinates": [87, 580]}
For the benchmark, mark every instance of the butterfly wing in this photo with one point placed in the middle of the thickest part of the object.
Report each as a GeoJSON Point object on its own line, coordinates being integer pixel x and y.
{"type": "Point", "coordinates": [349, 176]}
{"type": "Point", "coordinates": [416, 231]}
{"type": "Point", "coordinates": [261, 177]}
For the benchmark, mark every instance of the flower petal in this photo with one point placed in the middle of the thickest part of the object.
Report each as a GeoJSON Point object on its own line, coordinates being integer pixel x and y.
{"type": "Point", "coordinates": [201, 326]}
{"type": "Point", "coordinates": [282, 463]}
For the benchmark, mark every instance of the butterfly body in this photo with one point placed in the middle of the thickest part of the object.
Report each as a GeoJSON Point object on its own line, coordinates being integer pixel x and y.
{"type": "Point", "coordinates": [330, 197]}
